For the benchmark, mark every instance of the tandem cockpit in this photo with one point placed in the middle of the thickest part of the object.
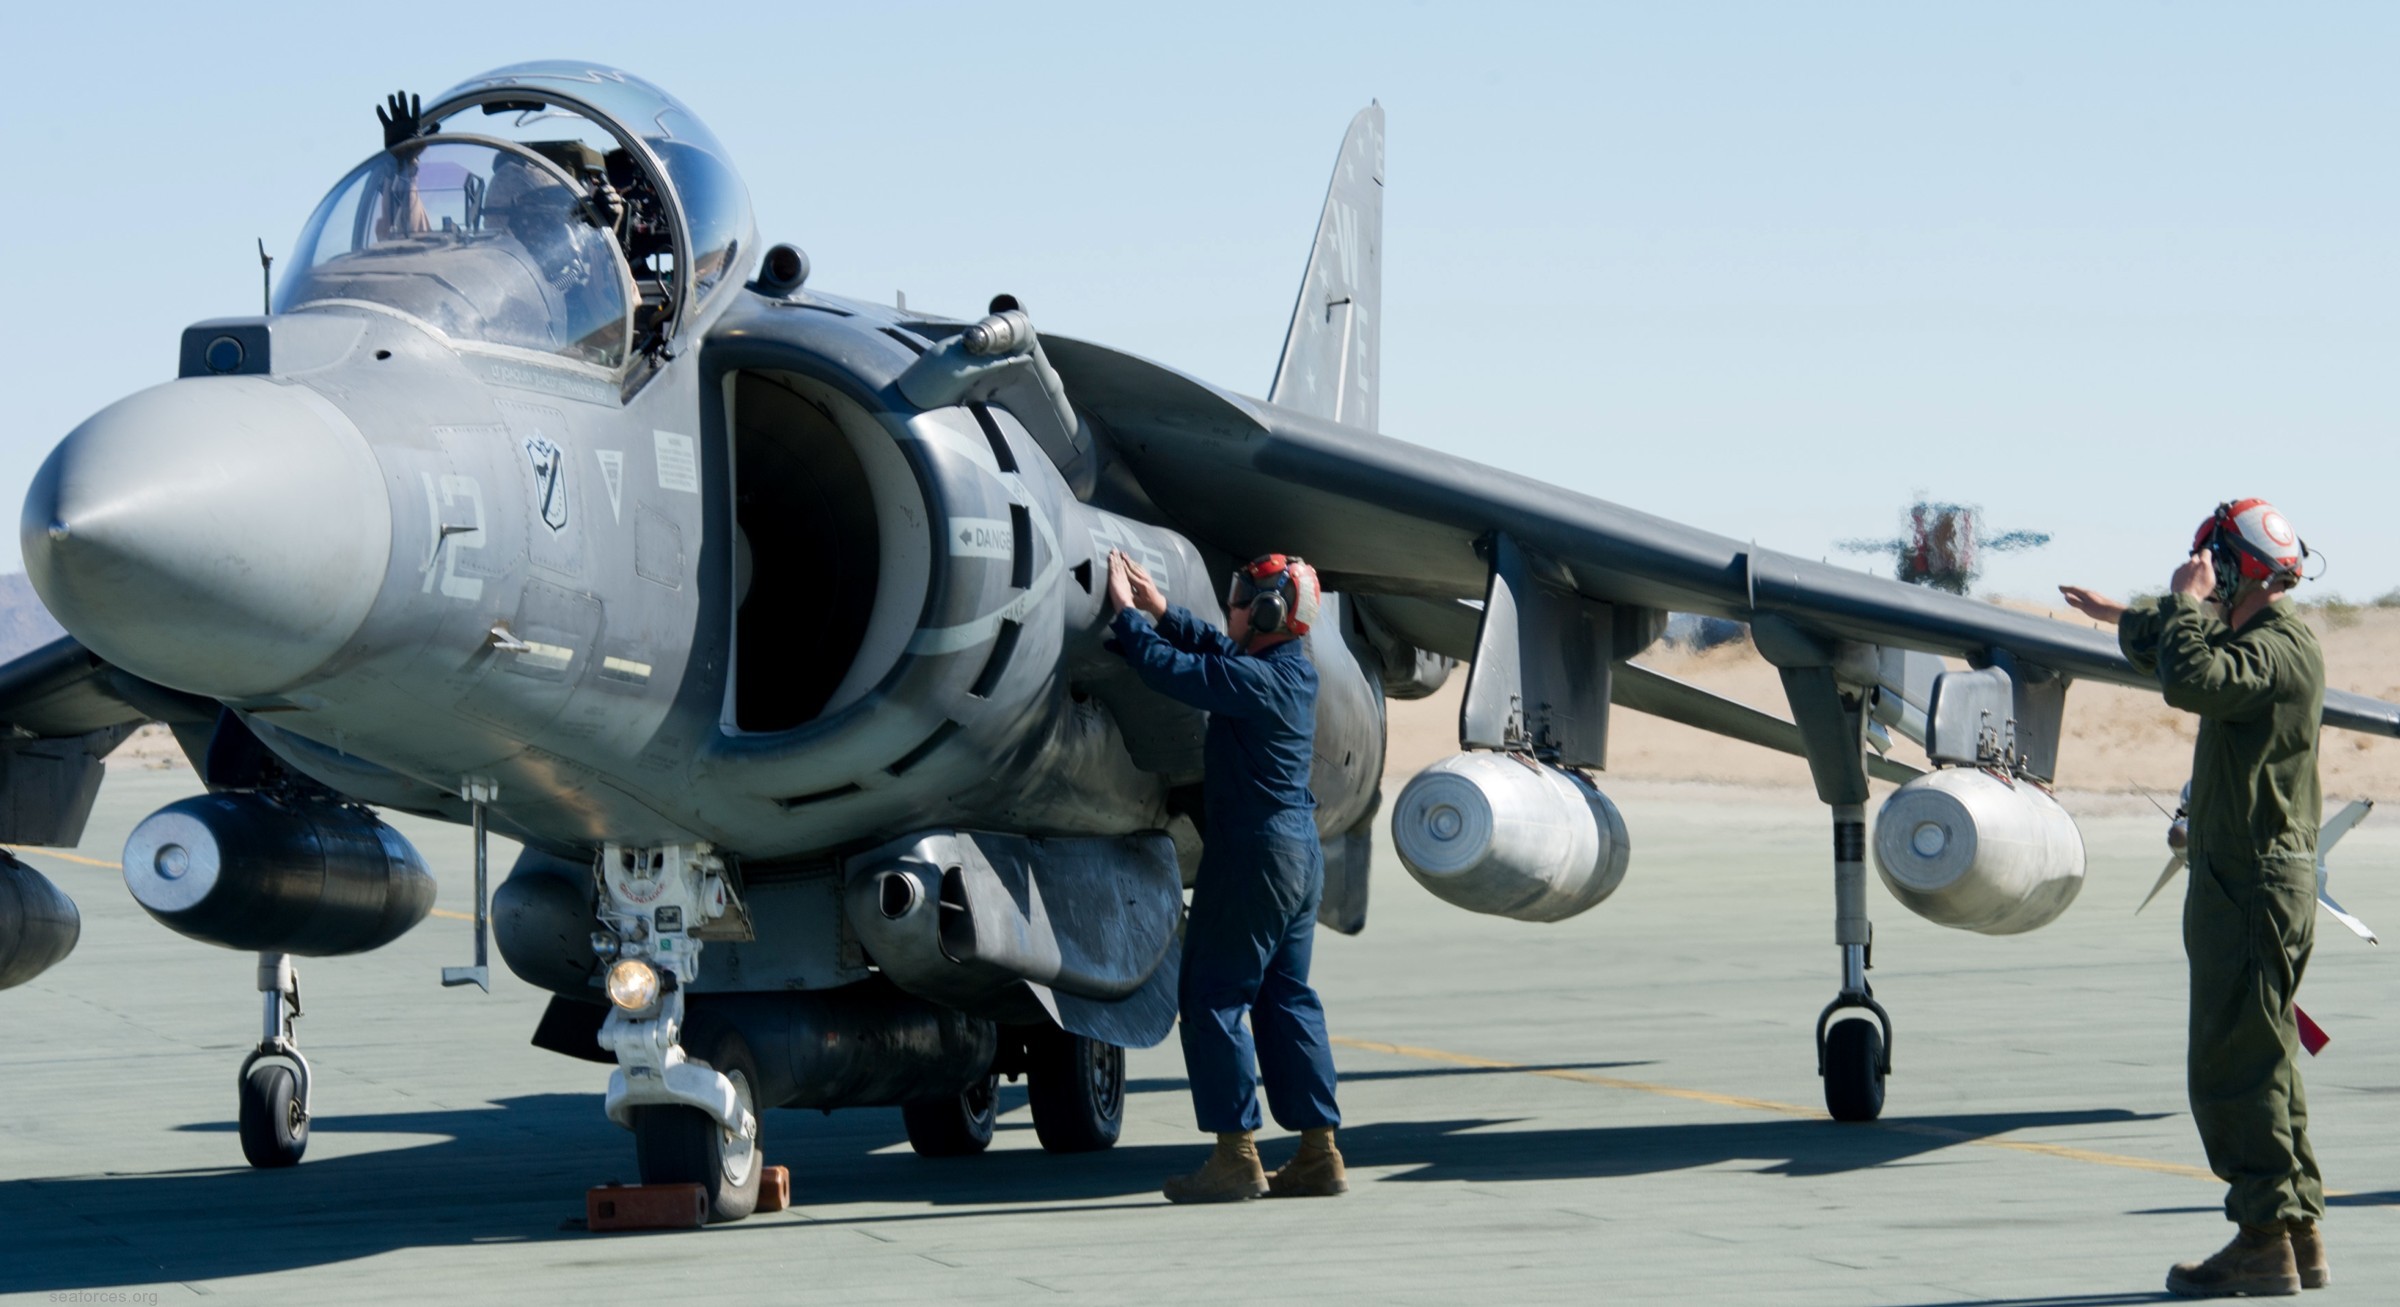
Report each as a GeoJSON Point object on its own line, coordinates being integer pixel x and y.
{"type": "Point", "coordinates": [562, 208]}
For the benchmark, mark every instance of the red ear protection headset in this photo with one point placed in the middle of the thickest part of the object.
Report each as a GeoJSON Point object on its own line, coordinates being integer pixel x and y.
{"type": "Point", "coordinates": [2249, 541]}
{"type": "Point", "coordinates": [1280, 590]}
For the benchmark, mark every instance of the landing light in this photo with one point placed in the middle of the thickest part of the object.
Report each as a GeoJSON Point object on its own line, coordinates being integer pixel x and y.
{"type": "Point", "coordinates": [632, 985]}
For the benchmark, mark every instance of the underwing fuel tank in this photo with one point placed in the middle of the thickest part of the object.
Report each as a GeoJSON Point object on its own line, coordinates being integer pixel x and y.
{"type": "Point", "coordinates": [1964, 848]}
{"type": "Point", "coordinates": [1504, 835]}
{"type": "Point", "coordinates": [266, 876]}
{"type": "Point", "coordinates": [38, 923]}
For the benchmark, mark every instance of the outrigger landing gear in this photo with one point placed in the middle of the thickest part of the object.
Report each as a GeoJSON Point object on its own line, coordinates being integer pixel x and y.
{"type": "Point", "coordinates": [1828, 687]}
{"type": "Point", "coordinates": [274, 1079]}
{"type": "Point", "coordinates": [1853, 1054]}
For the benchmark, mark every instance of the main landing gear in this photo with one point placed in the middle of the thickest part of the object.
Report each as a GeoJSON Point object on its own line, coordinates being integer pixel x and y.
{"type": "Point", "coordinates": [274, 1079]}
{"type": "Point", "coordinates": [1074, 1084]}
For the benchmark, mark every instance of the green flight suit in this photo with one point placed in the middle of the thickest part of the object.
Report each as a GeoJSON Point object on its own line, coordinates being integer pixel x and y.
{"type": "Point", "coordinates": [2250, 912]}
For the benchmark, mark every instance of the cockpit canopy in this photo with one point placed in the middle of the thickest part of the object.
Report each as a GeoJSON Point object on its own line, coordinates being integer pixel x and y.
{"type": "Point", "coordinates": [555, 206]}
{"type": "Point", "coordinates": [481, 239]}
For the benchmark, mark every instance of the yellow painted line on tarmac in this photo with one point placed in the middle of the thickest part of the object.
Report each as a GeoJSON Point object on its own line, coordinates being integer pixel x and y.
{"type": "Point", "coordinates": [2086, 1155]}
{"type": "Point", "coordinates": [74, 858]}
{"type": "Point", "coordinates": [454, 916]}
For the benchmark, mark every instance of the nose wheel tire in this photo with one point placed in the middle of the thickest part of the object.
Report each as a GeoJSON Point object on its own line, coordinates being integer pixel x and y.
{"type": "Point", "coordinates": [274, 1122]}
{"type": "Point", "coordinates": [684, 1145]}
{"type": "Point", "coordinates": [1854, 1070]}
{"type": "Point", "coordinates": [958, 1126]}
{"type": "Point", "coordinates": [1076, 1087]}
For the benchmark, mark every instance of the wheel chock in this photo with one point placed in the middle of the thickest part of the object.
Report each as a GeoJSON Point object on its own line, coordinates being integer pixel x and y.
{"type": "Point", "coordinates": [774, 1189]}
{"type": "Point", "coordinates": [645, 1207]}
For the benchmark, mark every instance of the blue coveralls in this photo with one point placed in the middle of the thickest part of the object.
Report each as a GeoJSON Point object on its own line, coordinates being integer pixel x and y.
{"type": "Point", "coordinates": [1253, 920]}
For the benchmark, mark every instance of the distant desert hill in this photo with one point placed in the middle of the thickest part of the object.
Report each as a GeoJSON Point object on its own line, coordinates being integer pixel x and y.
{"type": "Point", "coordinates": [2118, 739]}
{"type": "Point", "coordinates": [24, 624]}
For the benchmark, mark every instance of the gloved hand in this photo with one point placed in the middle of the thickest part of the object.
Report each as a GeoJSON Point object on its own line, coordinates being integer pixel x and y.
{"type": "Point", "coordinates": [401, 118]}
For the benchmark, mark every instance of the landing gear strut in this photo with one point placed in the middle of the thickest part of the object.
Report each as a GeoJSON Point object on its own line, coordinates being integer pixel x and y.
{"type": "Point", "coordinates": [1827, 687]}
{"type": "Point", "coordinates": [274, 1079]}
{"type": "Point", "coordinates": [1854, 1054]}
{"type": "Point", "coordinates": [686, 1089]}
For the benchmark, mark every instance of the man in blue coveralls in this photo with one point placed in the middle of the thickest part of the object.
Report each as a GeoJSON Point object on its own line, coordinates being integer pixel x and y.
{"type": "Point", "coordinates": [1253, 918]}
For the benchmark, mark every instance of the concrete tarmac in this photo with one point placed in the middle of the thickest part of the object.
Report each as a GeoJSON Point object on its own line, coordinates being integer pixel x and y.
{"type": "Point", "coordinates": [1619, 1108]}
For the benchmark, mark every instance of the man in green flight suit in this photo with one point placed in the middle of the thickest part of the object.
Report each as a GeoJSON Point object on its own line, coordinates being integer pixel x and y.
{"type": "Point", "coordinates": [2227, 646]}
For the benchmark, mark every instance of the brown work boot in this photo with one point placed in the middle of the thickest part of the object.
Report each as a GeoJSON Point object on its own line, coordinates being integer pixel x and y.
{"type": "Point", "coordinates": [2257, 1264]}
{"type": "Point", "coordinates": [1314, 1172]}
{"type": "Point", "coordinates": [1230, 1174]}
{"type": "Point", "coordinates": [2308, 1252]}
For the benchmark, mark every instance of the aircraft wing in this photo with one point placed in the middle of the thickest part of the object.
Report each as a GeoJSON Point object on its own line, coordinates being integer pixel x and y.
{"type": "Point", "coordinates": [64, 709]}
{"type": "Point", "coordinates": [1383, 518]}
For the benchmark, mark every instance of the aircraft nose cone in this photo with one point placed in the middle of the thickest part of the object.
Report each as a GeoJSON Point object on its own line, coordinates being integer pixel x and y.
{"type": "Point", "coordinates": [223, 535]}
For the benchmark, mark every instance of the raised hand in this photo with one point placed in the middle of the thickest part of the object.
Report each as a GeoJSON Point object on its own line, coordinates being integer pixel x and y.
{"type": "Point", "coordinates": [402, 115]}
{"type": "Point", "coordinates": [2196, 578]}
{"type": "Point", "coordinates": [2093, 604]}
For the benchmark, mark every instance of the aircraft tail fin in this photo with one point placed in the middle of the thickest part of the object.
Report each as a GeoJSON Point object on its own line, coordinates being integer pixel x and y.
{"type": "Point", "coordinates": [1332, 352]}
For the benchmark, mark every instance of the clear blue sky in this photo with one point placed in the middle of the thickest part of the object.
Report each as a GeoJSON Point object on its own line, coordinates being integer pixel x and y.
{"type": "Point", "coordinates": [1771, 268]}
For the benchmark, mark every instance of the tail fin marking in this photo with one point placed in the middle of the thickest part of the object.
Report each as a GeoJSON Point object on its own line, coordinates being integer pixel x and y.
{"type": "Point", "coordinates": [1332, 350]}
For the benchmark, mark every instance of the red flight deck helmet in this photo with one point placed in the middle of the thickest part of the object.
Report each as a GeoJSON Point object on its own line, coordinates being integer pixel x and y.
{"type": "Point", "coordinates": [2249, 541]}
{"type": "Point", "coordinates": [1280, 590]}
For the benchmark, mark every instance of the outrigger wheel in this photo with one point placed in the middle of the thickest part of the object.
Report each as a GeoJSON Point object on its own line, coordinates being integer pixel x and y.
{"type": "Point", "coordinates": [274, 1117]}
{"type": "Point", "coordinates": [1854, 1055]}
{"type": "Point", "coordinates": [274, 1080]}
{"type": "Point", "coordinates": [684, 1145]}
{"type": "Point", "coordinates": [957, 1126]}
{"type": "Point", "coordinates": [1076, 1087]}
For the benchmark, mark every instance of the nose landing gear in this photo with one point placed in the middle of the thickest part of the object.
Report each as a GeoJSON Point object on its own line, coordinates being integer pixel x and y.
{"type": "Point", "coordinates": [684, 1145]}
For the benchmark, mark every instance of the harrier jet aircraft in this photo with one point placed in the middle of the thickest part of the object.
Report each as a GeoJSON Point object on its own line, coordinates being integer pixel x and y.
{"type": "Point", "coordinates": [547, 499]}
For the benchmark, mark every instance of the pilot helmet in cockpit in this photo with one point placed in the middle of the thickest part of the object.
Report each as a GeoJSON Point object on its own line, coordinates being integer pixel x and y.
{"type": "Point", "coordinates": [536, 209]}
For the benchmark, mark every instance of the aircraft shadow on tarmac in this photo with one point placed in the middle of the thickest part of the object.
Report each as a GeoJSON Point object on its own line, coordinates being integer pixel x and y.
{"type": "Point", "coordinates": [1177, 1085]}
{"type": "Point", "coordinates": [2064, 1300]}
{"type": "Point", "coordinates": [515, 1171]}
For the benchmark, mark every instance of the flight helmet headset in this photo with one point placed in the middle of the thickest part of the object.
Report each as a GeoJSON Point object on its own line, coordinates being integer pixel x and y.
{"type": "Point", "coordinates": [1279, 590]}
{"type": "Point", "coordinates": [2248, 540]}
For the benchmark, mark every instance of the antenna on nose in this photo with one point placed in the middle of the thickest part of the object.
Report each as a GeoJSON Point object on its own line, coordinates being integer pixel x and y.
{"type": "Point", "coordinates": [266, 280]}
